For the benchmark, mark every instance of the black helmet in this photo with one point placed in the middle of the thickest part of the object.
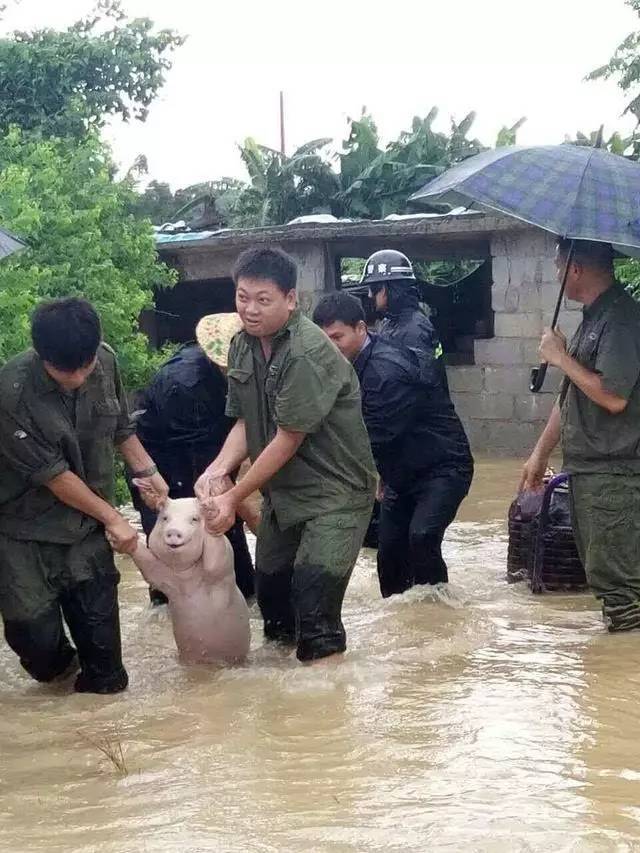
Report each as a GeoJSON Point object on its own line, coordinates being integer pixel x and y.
{"type": "Point", "coordinates": [387, 265]}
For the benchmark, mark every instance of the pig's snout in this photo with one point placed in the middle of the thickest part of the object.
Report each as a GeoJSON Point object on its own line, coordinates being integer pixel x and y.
{"type": "Point", "coordinates": [174, 537]}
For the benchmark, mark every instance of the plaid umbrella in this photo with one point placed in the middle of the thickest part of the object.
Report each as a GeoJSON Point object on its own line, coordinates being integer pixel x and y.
{"type": "Point", "coordinates": [576, 192]}
{"type": "Point", "coordinates": [9, 244]}
{"type": "Point", "coordinates": [580, 193]}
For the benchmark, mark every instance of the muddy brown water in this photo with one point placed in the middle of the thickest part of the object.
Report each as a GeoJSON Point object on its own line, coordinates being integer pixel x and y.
{"type": "Point", "coordinates": [485, 719]}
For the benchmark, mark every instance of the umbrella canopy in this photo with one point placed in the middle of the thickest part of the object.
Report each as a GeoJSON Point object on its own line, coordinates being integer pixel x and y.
{"type": "Point", "coordinates": [9, 244]}
{"type": "Point", "coordinates": [576, 192]}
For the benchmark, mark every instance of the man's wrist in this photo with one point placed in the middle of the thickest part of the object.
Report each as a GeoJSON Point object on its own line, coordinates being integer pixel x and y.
{"type": "Point", "coordinates": [235, 495]}
{"type": "Point", "coordinates": [146, 472]}
{"type": "Point", "coordinates": [565, 362]}
{"type": "Point", "coordinates": [110, 517]}
{"type": "Point", "coordinates": [217, 469]}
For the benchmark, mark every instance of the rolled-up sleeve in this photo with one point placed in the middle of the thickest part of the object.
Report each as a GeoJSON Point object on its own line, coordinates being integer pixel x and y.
{"type": "Point", "coordinates": [28, 453]}
{"type": "Point", "coordinates": [125, 427]}
{"type": "Point", "coordinates": [233, 408]}
{"type": "Point", "coordinates": [618, 359]}
{"type": "Point", "coordinates": [306, 394]}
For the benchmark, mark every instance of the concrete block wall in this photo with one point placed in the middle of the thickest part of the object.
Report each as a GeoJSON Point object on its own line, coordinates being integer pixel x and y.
{"type": "Point", "coordinates": [492, 398]}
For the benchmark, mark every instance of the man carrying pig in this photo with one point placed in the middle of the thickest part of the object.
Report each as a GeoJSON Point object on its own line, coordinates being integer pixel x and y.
{"type": "Point", "coordinates": [297, 403]}
{"type": "Point", "coordinates": [62, 411]}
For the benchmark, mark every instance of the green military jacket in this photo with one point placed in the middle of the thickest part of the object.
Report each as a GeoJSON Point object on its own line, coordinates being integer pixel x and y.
{"type": "Point", "coordinates": [306, 386]}
{"type": "Point", "coordinates": [608, 343]}
{"type": "Point", "coordinates": [45, 432]}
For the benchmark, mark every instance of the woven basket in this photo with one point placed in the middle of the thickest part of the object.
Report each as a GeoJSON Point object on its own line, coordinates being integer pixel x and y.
{"type": "Point", "coordinates": [542, 549]}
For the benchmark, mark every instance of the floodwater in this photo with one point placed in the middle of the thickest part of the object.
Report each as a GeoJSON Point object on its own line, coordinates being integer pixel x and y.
{"type": "Point", "coordinates": [485, 719]}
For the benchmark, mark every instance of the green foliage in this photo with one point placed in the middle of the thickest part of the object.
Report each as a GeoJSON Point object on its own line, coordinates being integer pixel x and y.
{"type": "Point", "coordinates": [156, 203]}
{"type": "Point", "coordinates": [281, 187]}
{"type": "Point", "coordinates": [625, 146]}
{"type": "Point", "coordinates": [375, 183]}
{"type": "Point", "coordinates": [431, 272]}
{"type": "Point", "coordinates": [64, 83]}
{"type": "Point", "coordinates": [61, 197]}
{"type": "Point", "coordinates": [624, 66]}
{"type": "Point", "coordinates": [509, 135]}
{"type": "Point", "coordinates": [628, 272]}
{"type": "Point", "coordinates": [444, 272]}
{"type": "Point", "coordinates": [370, 182]}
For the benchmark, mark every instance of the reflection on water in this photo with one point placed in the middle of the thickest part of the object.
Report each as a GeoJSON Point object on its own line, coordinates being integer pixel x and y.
{"type": "Point", "coordinates": [477, 718]}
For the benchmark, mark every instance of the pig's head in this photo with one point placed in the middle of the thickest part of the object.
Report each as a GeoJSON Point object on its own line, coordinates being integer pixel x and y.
{"type": "Point", "coordinates": [178, 536]}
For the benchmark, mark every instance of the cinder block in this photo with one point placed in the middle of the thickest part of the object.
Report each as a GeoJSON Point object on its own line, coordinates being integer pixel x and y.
{"type": "Point", "coordinates": [568, 322]}
{"type": "Point", "coordinates": [501, 271]}
{"type": "Point", "coordinates": [517, 325]}
{"type": "Point", "coordinates": [484, 406]}
{"type": "Point", "coordinates": [498, 351]}
{"type": "Point", "coordinates": [505, 299]}
{"type": "Point", "coordinates": [506, 380]}
{"type": "Point", "coordinates": [528, 243]}
{"type": "Point", "coordinates": [529, 299]}
{"type": "Point", "coordinates": [549, 297]}
{"type": "Point", "coordinates": [465, 379]}
{"type": "Point", "coordinates": [512, 438]}
{"type": "Point", "coordinates": [535, 407]}
{"type": "Point", "coordinates": [477, 434]}
{"type": "Point", "coordinates": [530, 348]}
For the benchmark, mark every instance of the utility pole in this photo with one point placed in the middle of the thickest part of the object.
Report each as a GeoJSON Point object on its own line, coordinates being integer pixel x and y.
{"type": "Point", "coordinates": [282, 123]}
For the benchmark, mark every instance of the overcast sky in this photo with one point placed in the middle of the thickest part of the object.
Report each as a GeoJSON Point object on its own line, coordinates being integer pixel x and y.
{"type": "Point", "coordinates": [501, 58]}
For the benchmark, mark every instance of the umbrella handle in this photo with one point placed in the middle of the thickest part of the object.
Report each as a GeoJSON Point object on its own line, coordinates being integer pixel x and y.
{"type": "Point", "coordinates": [538, 373]}
{"type": "Point", "coordinates": [537, 377]}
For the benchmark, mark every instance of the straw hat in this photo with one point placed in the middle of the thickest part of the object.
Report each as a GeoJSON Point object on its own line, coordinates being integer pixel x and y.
{"type": "Point", "coordinates": [214, 333]}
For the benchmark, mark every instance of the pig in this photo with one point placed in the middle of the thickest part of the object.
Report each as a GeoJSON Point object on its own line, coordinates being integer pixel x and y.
{"type": "Point", "coordinates": [194, 569]}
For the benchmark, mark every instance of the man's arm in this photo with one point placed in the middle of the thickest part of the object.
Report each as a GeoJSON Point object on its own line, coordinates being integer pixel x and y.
{"type": "Point", "coordinates": [553, 350]}
{"type": "Point", "coordinates": [234, 452]}
{"type": "Point", "coordinates": [536, 465]}
{"type": "Point", "coordinates": [590, 383]}
{"type": "Point", "coordinates": [153, 488]}
{"type": "Point", "coordinates": [41, 464]}
{"type": "Point", "coordinates": [221, 511]}
{"type": "Point", "coordinates": [69, 489]}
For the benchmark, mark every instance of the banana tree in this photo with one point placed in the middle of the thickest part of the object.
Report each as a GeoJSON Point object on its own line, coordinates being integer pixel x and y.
{"type": "Point", "coordinates": [282, 188]}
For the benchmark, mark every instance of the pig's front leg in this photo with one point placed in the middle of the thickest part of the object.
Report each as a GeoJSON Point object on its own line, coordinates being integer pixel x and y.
{"type": "Point", "coordinates": [217, 558]}
{"type": "Point", "coordinates": [152, 569]}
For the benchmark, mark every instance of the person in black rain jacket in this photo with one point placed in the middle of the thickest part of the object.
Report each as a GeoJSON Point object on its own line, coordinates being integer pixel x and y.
{"type": "Point", "coordinates": [183, 419]}
{"type": "Point", "coordinates": [393, 289]}
{"type": "Point", "coordinates": [419, 445]}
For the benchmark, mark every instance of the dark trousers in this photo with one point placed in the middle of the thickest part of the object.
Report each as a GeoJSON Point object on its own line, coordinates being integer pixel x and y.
{"type": "Point", "coordinates": [90, 610]}
{"type": "Point", "coordinates": [412, 527]}
{"type": "Point", "coordinates": [302, 574]}
{"type": "Point", "coordinates": [42, 582]}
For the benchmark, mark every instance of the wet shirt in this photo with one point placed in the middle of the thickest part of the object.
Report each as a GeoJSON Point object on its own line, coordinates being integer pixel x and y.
{"type": "Point", "coordinates": [411, 421]}
{"type": "Point", "coordinates": [411, 328]}
{"type": "Point", "coordinates": [45, 432]}
{"type": "Point", "coordinates": [608, 343]}
{"type": "Point", "coordinates": [306, 386]}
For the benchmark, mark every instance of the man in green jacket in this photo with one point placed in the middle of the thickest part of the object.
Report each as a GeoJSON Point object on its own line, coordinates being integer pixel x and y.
{"type": "Point", "coordinates": [297, 402]}
{"type": "Point", "coordinates": [597, 421]}
{"type": "Point", "coordinates": [62, 411]}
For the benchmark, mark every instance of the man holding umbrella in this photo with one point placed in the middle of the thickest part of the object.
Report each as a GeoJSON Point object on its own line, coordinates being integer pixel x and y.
{"type": "Point", "coordinates": [592, 198]}
{"type": "Point", "coordinates": [597, 421]}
